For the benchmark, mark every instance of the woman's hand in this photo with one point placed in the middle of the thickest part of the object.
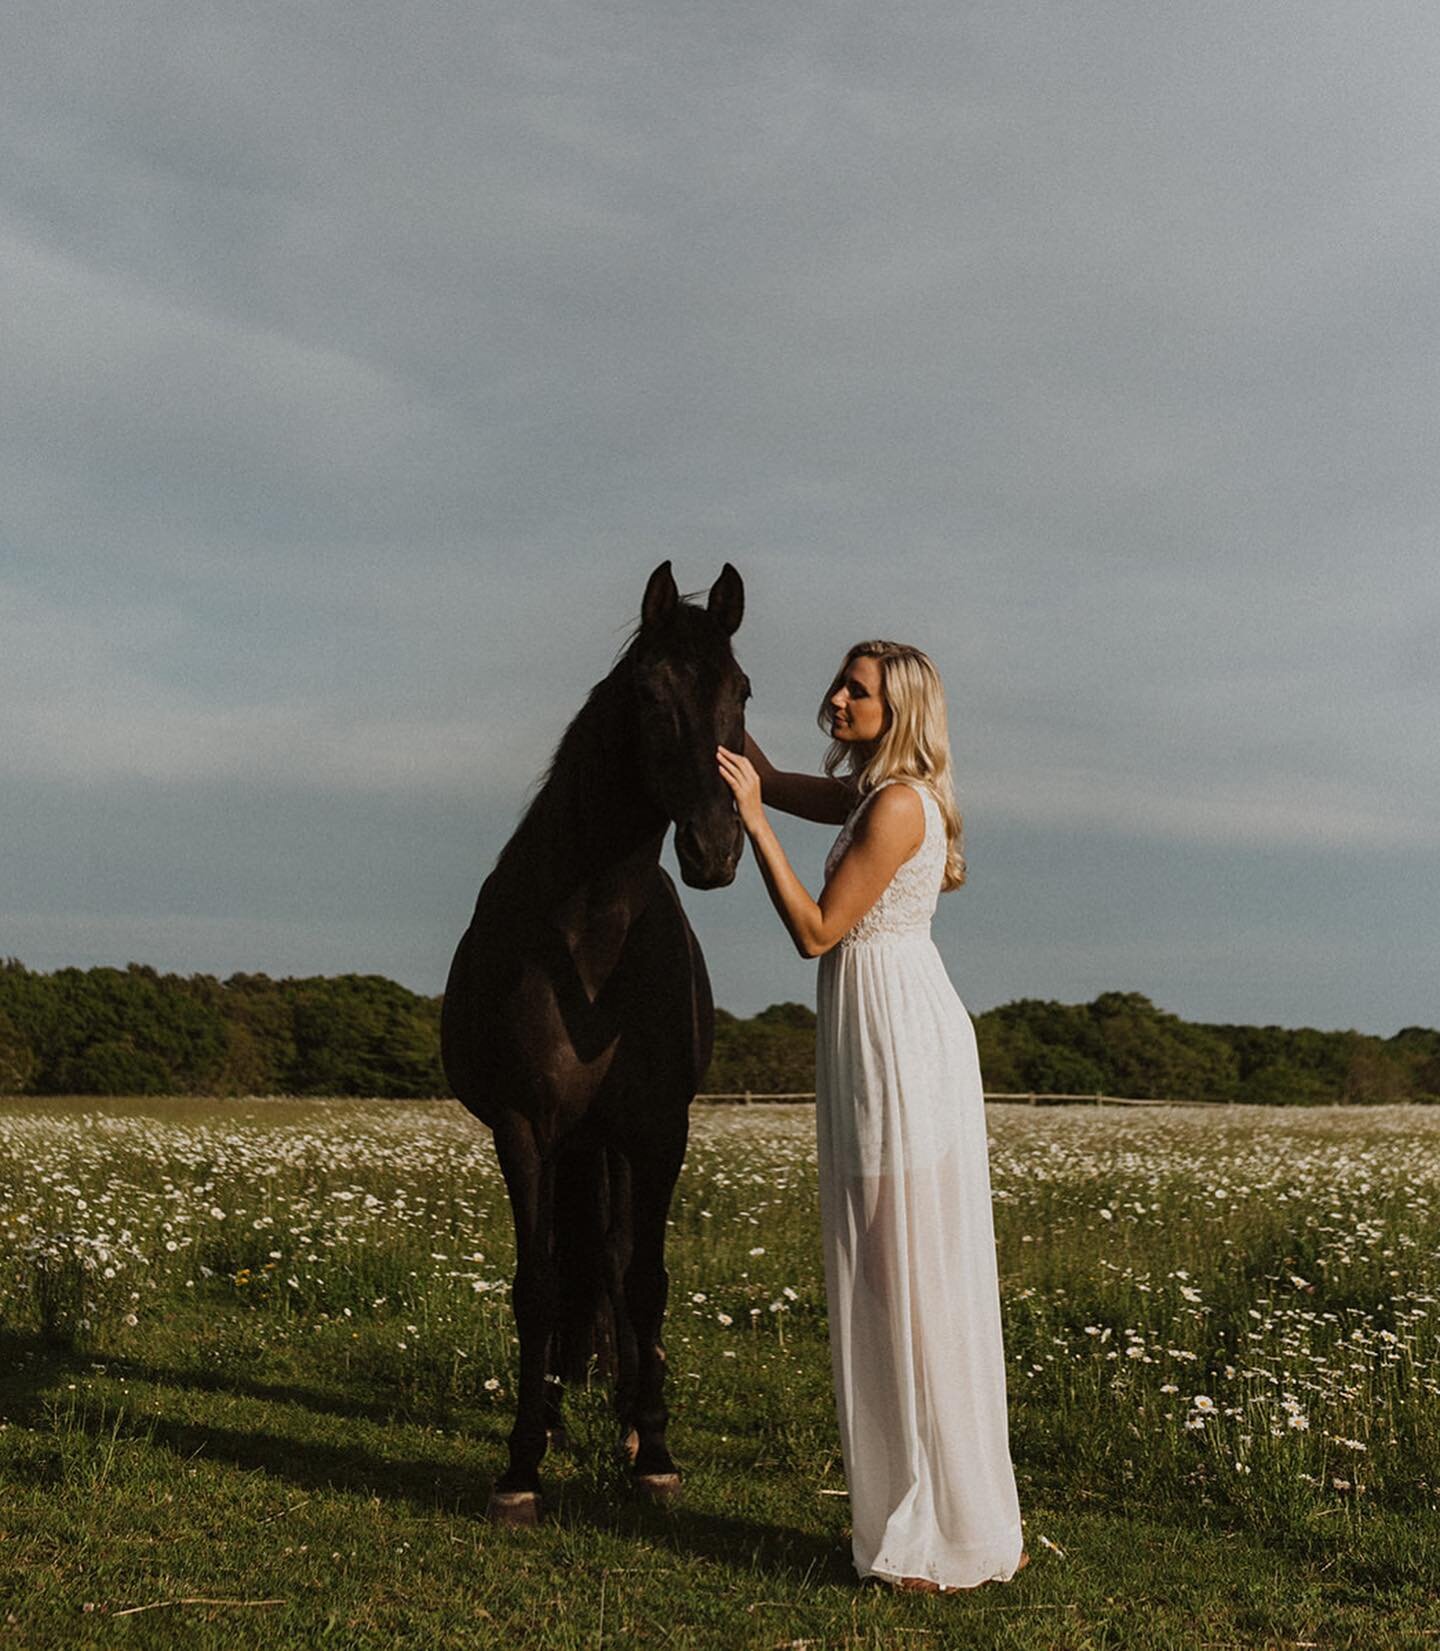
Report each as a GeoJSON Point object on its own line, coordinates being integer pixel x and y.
{"type": "Point", "coordinates": [739, 774]}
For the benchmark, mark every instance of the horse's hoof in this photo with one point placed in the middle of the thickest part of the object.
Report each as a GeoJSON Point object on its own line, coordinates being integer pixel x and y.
{"type": "Point", "coordinates": [514, 1507]}
{"type": "Point", "coordinates": [657, 1487]}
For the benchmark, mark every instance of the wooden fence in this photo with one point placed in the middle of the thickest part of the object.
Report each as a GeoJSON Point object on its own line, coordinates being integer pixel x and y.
{"type": "Point", "coordinates": [746, 1097]}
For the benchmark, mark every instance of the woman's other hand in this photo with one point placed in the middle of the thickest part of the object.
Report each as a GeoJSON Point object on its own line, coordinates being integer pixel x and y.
{"type": "Point", "coordinates": [739, 774]}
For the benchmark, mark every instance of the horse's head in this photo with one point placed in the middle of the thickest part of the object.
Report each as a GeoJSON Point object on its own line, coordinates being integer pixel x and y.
{"type": "Point", "coordinates": [690, 696]}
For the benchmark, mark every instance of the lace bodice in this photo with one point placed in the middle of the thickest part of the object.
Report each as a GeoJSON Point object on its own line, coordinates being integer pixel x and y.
{"type": "Point", "coordinates": [909, 900]}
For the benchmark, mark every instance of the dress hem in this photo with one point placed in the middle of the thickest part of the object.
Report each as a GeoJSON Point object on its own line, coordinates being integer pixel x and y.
{"type": "Point", "coordinates": [999, 1574]}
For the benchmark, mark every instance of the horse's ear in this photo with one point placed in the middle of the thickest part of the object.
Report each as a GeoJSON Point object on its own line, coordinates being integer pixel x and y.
{"type": "Point", "coordinates": [727, 600]}
{"type": "Point", "coordinates": [661, 597]}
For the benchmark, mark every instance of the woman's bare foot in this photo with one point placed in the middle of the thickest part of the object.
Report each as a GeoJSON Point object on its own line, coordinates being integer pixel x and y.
{"type": "Point", "coordinates": [923, 1584]}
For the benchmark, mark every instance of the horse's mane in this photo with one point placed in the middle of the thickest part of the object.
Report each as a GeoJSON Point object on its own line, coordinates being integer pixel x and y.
{"type": "Point", "coordinates": [579, 759]}
{"type": "Point", "coordinates": [584, 763]}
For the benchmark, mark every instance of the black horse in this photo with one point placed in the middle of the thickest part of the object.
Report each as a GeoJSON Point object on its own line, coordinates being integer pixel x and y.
{"type": "Point", "coordinates": [578, 1019]}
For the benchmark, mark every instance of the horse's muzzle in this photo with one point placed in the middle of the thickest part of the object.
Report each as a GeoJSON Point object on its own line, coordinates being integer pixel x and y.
{"type": "Point", "coordinates": [708, 857]}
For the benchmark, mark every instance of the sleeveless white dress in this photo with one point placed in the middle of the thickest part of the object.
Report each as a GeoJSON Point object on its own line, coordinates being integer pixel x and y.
{"type": "Point", "coordinates": [910, 1274]}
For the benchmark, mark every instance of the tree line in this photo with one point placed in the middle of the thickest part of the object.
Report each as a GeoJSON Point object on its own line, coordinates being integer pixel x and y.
{"type": "Point", "coordinates": [134, 1031]}
{"type": "Point", "coordinates": [1121, 1044]}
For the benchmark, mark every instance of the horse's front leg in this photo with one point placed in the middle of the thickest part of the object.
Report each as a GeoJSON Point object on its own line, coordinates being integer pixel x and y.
{"type": "Point", "coordinates": [583, 1332]}
{"type": "Point", "coordinates": [530, 1180]}
{"type": "Point", "coordinates": [647, 1285]}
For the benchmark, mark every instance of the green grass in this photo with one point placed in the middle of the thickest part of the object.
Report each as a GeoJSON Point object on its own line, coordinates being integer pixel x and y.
{"type": "Point", "coordinates": [293, 1441]}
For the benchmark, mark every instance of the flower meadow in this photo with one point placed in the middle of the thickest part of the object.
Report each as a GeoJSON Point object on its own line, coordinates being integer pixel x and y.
{"type": "Point", "coordinates": [1227, 1317]}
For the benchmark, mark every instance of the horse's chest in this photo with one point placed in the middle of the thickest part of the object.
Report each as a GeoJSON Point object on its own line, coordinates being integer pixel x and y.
{"type": "Point", "coordinates": [609, 985]}
{"type": "Point", "coordinates": [595, 936]}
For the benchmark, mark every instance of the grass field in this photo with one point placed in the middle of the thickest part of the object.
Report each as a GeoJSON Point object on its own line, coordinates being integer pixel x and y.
{"type": "Point", "coordinates": [258, 1366]}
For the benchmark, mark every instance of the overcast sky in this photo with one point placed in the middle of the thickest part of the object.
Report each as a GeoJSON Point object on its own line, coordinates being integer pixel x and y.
{"type": "Point", "coordinates": [358, 362]}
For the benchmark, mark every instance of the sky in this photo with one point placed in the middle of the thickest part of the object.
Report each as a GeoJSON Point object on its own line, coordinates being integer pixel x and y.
{"type": "Point", "coordinates": [359, 362]}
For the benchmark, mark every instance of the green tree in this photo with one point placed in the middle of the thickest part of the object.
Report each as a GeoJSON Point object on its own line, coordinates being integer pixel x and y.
{"type": "Point", "coordinates": [364, 1035]}
{"type": "Point", "coordinates": [1034, 1044]}
{"type": "Point", "coordinates": [17, 1059]}
{"type": "Point", "coordinates": [794, 1017]}
{"type": "Point", "coordinates": [772, 1053]}
{"type": "Point", "coordinates": [112, 1066]}
{"type": "Point", "coordinates": [1418, 1048]}
{"type": "Point", "coordinates": [1156, 1055]}
{"type": "Point", "coordinates": [260, 1052]}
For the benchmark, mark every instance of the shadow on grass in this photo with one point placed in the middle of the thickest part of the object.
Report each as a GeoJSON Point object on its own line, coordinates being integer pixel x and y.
{"type": "Point", "coordinates": [782, 1552]}
{"type": "Point", "coordinates": [386, 1412]}
{"type": "Point", "coordinates": [31, 1371]}
{"type": "Point", "coordinates": [28, 1364]}
{"type": "Point", "coordinates": [30, 1367]}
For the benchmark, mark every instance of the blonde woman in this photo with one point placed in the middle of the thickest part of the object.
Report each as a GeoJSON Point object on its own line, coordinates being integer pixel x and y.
{"type": "Point", "coordinates": [915, 1331]}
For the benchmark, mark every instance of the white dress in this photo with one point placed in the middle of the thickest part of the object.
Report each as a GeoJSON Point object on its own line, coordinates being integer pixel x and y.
{"type": "Point", "coordinates": [909, 1240]}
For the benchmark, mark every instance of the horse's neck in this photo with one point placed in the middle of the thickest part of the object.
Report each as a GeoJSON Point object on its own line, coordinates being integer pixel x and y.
{"type": "Point", "coordinates": [601, 833]}
{"type": "Point", "coordinates": [592, 822]}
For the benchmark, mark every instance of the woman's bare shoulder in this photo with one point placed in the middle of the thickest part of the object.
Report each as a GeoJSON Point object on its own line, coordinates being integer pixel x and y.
{"type": "Point", "coordinates": [893, 810]}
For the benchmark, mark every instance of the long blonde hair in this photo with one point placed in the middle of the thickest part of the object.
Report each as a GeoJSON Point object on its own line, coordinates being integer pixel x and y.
{"type": "Point", "coordinates": [914, 744]}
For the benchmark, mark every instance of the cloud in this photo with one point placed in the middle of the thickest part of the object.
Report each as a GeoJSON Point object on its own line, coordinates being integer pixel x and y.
{"type": "Point", "coordinates": [361, 364]}
{"type": "Point", "coordinates": [81, 703]}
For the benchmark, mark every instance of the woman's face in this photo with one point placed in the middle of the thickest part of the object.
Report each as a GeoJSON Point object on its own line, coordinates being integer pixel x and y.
{"type": "Point", "coordinates": [857, 707]}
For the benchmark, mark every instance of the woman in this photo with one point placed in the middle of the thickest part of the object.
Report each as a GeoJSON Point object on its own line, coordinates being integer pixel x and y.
{"type": "Point", "coordinates": [915, 1333]}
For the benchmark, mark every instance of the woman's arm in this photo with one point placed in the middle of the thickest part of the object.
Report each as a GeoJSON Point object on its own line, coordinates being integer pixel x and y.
{"type": "Point", "coordinates": [889, 831]}
{"type": "Point", "coordinates": [809, 796]}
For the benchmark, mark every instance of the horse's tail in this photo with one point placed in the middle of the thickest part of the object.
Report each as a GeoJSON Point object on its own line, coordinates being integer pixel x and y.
{"type": "Point", "coordinates": [591, 1251]}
